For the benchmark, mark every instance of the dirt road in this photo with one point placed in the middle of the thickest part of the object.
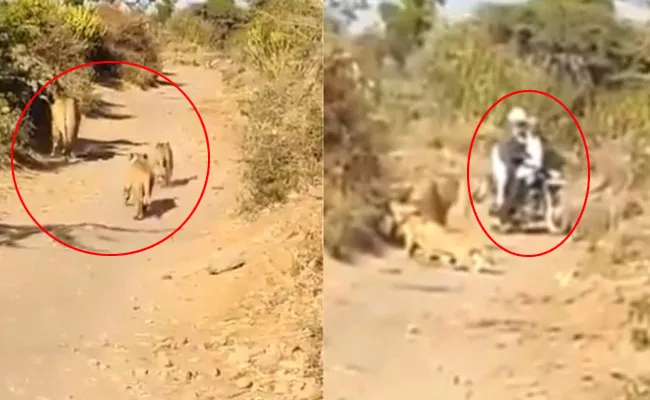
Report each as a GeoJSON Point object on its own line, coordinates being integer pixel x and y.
{"type": "Point", "coordinates": [149, 325]}
{"type": "Point", "coordinates": [397, 330]}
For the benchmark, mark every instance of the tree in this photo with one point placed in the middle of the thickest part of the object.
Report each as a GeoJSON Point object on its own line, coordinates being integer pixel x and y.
{"type": "Point", "coordinates": [406, 23]}
{"type": "Point", "coordinates": [578, 41]}
{"type": "Point", "coordinates": [165, 9]}
{"type": "Point", "coordinates": [341, 13]}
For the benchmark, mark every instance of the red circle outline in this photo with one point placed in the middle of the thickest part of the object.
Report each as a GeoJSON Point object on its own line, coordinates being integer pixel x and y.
{"type": "Point", "coordinates": [22, 115]}
{"type": "Point", "coordinates": [469, 156]}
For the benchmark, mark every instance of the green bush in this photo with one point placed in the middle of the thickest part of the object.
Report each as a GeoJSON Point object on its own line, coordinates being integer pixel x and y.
{"type": "Point", "coordinates": [460, 73]}
{"type": "Point", "coordinates": [41, 38]}
{"type": "Point", "coordinates": [282, 35]}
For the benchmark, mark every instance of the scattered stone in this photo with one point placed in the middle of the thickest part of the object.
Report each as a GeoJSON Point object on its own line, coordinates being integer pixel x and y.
{"type": "Point", "coordinates": [165, 376]}
{"type": "Point", "coordinates": [140, 373]}
{"type": "Point", "coordinates": [167, 277]}
{"type": "Point", "coordinates": [391, 271]}
{"type": "Point", "coordinates": [244, 383]}
{"type": "Point", "coordinates": [282, 387]}
{"type": "Point", "coordinates": [230, 266]}
{"type": "Point", "coordinates": [412, 329]}
{"type": "Point", "coordinates": [164, 361]}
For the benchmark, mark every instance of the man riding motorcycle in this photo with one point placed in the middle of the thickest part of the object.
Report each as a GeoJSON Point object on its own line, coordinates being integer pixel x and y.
{"type": "Point", "coordinates": [517, 160]}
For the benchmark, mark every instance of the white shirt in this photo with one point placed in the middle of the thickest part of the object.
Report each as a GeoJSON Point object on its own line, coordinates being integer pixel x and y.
{"type": "Point", "coordinates": [535, 150]}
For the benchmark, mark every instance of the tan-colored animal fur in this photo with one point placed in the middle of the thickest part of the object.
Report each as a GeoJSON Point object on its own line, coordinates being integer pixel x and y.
{"type": "Point", "coordinates": [66, 118]}
{"type": "Point", "coordinates": [433, 198]}
{"type": "Point", "coordinates": [162, 162]}
{"type": "Point", "coordinates": [436, 242]}
{"type": "Point", "coordinates": [139, 184]}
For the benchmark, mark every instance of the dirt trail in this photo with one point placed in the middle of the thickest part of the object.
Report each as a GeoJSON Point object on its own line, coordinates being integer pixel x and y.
{"type": "Point", "coordinates": [514, 333]}
{"type": "Point", "coordinates": [76, 326]}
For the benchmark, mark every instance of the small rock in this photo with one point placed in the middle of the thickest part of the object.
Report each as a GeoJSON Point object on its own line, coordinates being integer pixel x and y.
{"type": "Point", "coordinates": [164, 360]}
{"type": "Point", "coordinates": [166, 277]}
{"type": "Point", "coordinates": [140, 372]}
{"type": "Point", "coordinates": [234, 264]}
{"type": "Point", "coordinates": [282, 387]}
{"type": "Point", "coordinates": [412, 329]}
{"type": "Point", "coordinates": [165, 376]}
{"type": "Point", "coordinates": [244, 383]}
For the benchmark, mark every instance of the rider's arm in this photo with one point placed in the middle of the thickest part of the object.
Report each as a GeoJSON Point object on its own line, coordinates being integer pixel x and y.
{"type": "Point", "coordinates": [535, 153]}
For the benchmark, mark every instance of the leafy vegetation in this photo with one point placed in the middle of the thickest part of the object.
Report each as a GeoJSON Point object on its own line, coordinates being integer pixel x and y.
{"type": "Point", "coordinates": [42, 38]}
{"type": "Point", "coordinates": [272, 61]}
{"type": "Point", "coordinates": [430, 93]}
{"type": "Point", "coordinates": [445, 76]}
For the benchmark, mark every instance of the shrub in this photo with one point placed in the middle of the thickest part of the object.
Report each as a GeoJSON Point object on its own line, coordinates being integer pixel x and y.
{"type": "Point", "coordinates": [41, 38]}
{"type": "Point", "coordinates": [224, 17]}
{"type": "Point", "coordinates": [283, 139]}
{"type": "Point", "coordinates": [283, 142]}
{"type": "Point", "coordinates": [280, 37]}
{"type": "Point", "coordinates": [128, 37]}
{"type": "Point", "coordinates": [185, 27]}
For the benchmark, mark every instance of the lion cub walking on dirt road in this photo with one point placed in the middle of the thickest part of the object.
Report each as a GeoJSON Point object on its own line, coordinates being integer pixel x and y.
{"type": "Point", "coordinates": [436, 242]}
{"type": "Point", "coordinates": [162, 162]}
{"type": "Point", "coordinates": [66, 118]}
{"type": "Point", "coordinates": [139, 184]}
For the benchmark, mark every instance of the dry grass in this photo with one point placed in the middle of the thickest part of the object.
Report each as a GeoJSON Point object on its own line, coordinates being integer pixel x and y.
{"type": "Point", "coordinates": [284, 312]}
{"type": "Point", "coordinates": [282, 169]}
{"type": "Point", "coordinates": [282, 145]}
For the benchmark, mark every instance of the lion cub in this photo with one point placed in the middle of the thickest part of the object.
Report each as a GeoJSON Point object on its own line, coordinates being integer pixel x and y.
{"type": "Point", "coordinates": [162, 162]}
{"type": "Point", "coordinates": [139, 184]}
{"type": "Point", "coordinates": [436, 242]}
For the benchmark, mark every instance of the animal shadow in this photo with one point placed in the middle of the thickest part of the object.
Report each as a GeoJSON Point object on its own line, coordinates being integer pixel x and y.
{"type": "Point", "coordinates": [160, 207]}
{"type": "Point", "coordinates": [162, 82]}
{"type": "Point", "coordinates": [182, 182]}
{"type": "Point", "coordinates": [94, 150]}
{"type": "Point", "coordinates": [103, 109]}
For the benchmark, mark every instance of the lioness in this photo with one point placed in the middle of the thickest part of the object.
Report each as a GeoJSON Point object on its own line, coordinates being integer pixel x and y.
{"type": "Point", "coordinates": [139, 184]}
{"type": "Point", "coordinates": [162, 162]}
{"type": "Point", "coordinates": [66, 118]}
{"type": "Point", "coordinates": [434, 198]}
{"type": "Point", "coordinates": [436, 242]}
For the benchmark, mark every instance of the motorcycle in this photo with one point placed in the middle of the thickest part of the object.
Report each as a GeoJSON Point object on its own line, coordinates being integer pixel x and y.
{"type": "Point", "coordinates": [542, 203]}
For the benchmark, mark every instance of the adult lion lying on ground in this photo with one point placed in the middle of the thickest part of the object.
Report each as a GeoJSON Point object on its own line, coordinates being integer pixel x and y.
{"type": "Point", "coordinates": [435, 242]}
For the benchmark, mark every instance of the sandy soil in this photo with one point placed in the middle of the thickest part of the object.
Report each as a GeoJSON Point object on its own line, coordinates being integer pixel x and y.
{"type": "Point", "coordinates": [188, 319]}
{"type": "Point", "coordinates": [394, 329]}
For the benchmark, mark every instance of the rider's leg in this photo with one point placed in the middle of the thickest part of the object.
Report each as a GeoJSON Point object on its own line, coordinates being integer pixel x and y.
{"type": "Point", "coordinates": [513, 196]}
{"type": "Point", "coordinates": [500, 175]}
